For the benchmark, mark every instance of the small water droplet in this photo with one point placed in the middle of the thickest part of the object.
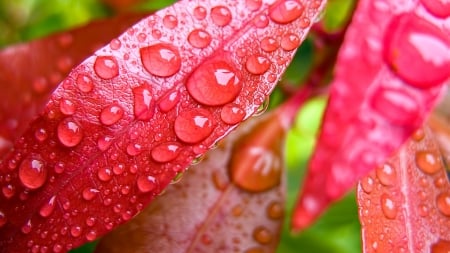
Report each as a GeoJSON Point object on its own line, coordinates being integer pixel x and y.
{"type": "Point", "coordinates": [441, 246]}
{"type": "Point", "coordinates": [8, 191]}
{"type": "Point", "coordinates": [261, 21]}
{"type": "Point", "coordinates": [104, 142]}
{"type": "Point", "coordinates": [214, 84]}
{"type": "Point", "coordinates": [115, 44]}
{"type": "Point", "coordinates": [367, 184]}
{"type": "Point", "coordinates": [388, 207]}
{"type": "Point", "coordinates": [69, 133]}
{"type": "Point", "coordinates": [75, 231]}
{"type": "Point", "coordinates": [57, 248]}
{"type": "Point", "coordinates": [386, 174]}
{"type": "Point", "coordinates": [263, 107]}
{"type": "Point", "coordinates": [262, 235]}
{"type": "Point", "coordinates": [64, 64]}
{"type": "Point", "coordinates": [146, 183]}
{"type": "Point", "coordinates": [177, 178]}
{"type": "Point", "coordinates": [199, 38]}
{"type": "Point", "coordinates": [59, 167]}
{"type": "Point", "coordinates": [48, 207]}
{"type": "Point", "coordinates": [253, 5]}
{"type": "Point", "coordinates": [165, 152]}
{"type": "Point", "coordinates": [142, 37]}
{"type": "Point", "coordinates": [106, 67]}
{"type": "Point", "coordinates": [221, 15]}
{"type": "Point", "coordinates": [443, 203]}
{"type": "Point", "coordinates": [111, 114]}
{"type": "Point", "coordinates": [91, 235]}
{"type": "Point", "coordinates": [275, 211]}
{"type": "Point", "coordinates": [286, 11]}
{"type": "Point", "coordinates": [40, 134]}
{"type": "Point", "coordinates": [90, 193]}
{"type": "Point", "coordinates": [134, 149]}
{"type": "Point", "coordinates": [161, 60]}
{"type": "Point", "coordinates": [396, 105]}
{"type": "Point", "coordinates": [26, 229]}
{"type": "Point", "coordinates": [84, 83]}
{"type": "Point", "coordinates": [143, 103]}
{"type": "Point", "coordinates": [170, 21]}
{"type": "Point", "coordinates": [3, 219]}
{"type": "Point", "coordinates": [418, 135]}
{"type": "Point", "coordinates": [104, 174]}
{"type": "Point", "coordinates": [429, 162]}
{"type": "Point", "coordinates": [232, 114]}
{"type": "Point", "coordinates": [423, 210]}
{"type": "Point", "coordinates": [200, 12]}
{"type": "Point", "coordinates": [290, 41]}
{"type": "Point", "coordinates": [269, 44]}
{"type": "Point", "coordinates": [32, 173]}
{"type": "Point", "coordinates": [118, 169]}
{"type": "Point", "coordinates": [169, 101]}
{"type": "Point", "coordinates": [257, 64]}
{"type": "Point", "coordinates": [194, 125]}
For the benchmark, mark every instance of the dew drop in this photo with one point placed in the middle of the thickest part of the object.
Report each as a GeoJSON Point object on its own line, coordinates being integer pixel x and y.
{"type": "Point", "coordinates": [441, 246]}
{"type": "Point", "coordinates": [194, 125]}
{"type": "Point", "coordinates": [169, 101]}
{"type": "Point", "coordinates": [261, 21]}
{"type": "Point", "coordinates": [75, 231]}
{"type": "Point", "coordinates": [199, 38]}
{"type": "Point", "coordinates": [143, 103]}
{"type": "Point", "coordinates": [423, 210]}
{"type": "Point", "coordinates": [90, 193]}
{"type": "Point", "coordinates": [275, 211]}
{"type": "Point", "coordinates": [91, 235]}
{"type": "Point", "coordinates": [232, 114]}
{"type": "Point", "coordinates": [47, 209]}
{"type": "Point", "coordinates": [170, 21]}
{"type": "Point", "coordinates": [439, 8]}
{"type": "Point", "coordinates": [41, 134]}
{"type": "Point", "coordinates": [134, 149]}
{"type": "Point", "coordinates": [8, 191]}
{"type": "Point", "coordinates": [257, 64]}
{"type": "Point", "coordinates": [161, 60]}
{"type": "Point", "coordinates": [418, 135]}
{"type": "Point", "coordinates": [57, 248]}
{"type": "Point", "coordinates": [32, 173]}
{"type": "Point", "coordinates": [165, 152]}
{"type": "Point", "coordinates": [3, 219]}
{"type": "Point", "coordinates": [177, 178]}
{"type": "Point", "coordinates": [388, 206]}
{"type": "Point", "coordinates": [118, 169]}
{"type": "Point", "coordinates": [253, 5]}
{"type": "Point", "coordinates": [428, 162]}
{"type": "Point", "coordinates": [443, 203]}
{"type": "Point", "coordinates": [214, 84]}
{"type": "Point", "coordinates": [367, 184]}
{"type": "Point", "coordinates": [262, 235]}
{"type": "Point", "coordinates": [104, 174]}
{"type": "Point", "coordinates": [290, 42]}
{"type": "Point", "coordinates": [111, 114]}
{"type": "Point", "coordinates": [26, 229]}
{"type": "Point", "coordinates": [418, 51]}
{"type": "Point", "coordinates": [386, 174]}
{"type": "Point", "coordinates": [84, 83]}
{"type": "Point", "coordinates": [286, 11]}
{"type": "Point", "coordinates": [67, 107]}
{"type": "Point", "coordinates": [106, 67]}
{"type": "Point", "coordinates": [263, 107]}
{"type": "Point", "coordinates": [104, 142]}
{"type": "Point", "coordinates": [396, 106]}
{"type": "Point", "coordinates": [115, 44]}
{"type": "Point", "coordinates": [146, 183]}
{"type": "Point", "coordinates": [200, 12]}
{"type": "Point", "coordinates": [221, 15]}
{"type": "Point", "coordinates": [269, 44]}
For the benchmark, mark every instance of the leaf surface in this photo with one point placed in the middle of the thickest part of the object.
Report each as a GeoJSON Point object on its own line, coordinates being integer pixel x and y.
{"type": "Point", "coordinates": [144, 107]}
{"type": "Point", "coordinates": [404, 205]}
{"type": "Point", "coordinates": [386, 81]}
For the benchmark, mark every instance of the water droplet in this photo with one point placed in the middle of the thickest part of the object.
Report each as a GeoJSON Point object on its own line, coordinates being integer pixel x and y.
{"type": "Point", "coordinates": [115, 44]}
{"type": "Point", "coordinates": [423, 210]}
{"type": "Point", "coordinates": [221, 15]}
{"type": "Point", "coordinates": [134, 149]}
{"type": "Point", "coordinates": [3, 219]}
{"type": "Point", "coordinates": [286, 11]}
{"type": "Point", "coordinates": [48, 207]}
{"type": "Point", "coordinates": [64, 64]}
{"type": "Point", "coordinates": [263, 107]}
{"type": "Point", "coordinates": [269, 44]}
{"type": "Point", "coordinates": [237, 211]}
{"type": "Point", "coordinates": [386, 174]}
{"type": "Point", "coordinates": [396, 105]}
{"type": "Point", "coordinates": [118, 169]}
{"type": "Point", "coordinates": [111, 114]}
{"type": "Point", "coordinates": [32, 173]}
{"type": "Point", "coordinates": [367, 184]}
{"type": "Point", "coordinates": [253, 5]}
{"type": "Point", "coordinates": [443, 203]}
{"type": "Point", "coordinates": [90, 193]}
{"type": "Point", "coordinates": [428, 162]}
{"type": "Point", "coordinates": [199, 38]}
{"type": "Point", "coordinates": [275, 210]}
{"type": "Point", "coordinates": [59, 167]}
{"type": "Point", "coordinates": [84, 83]}
{"type": "Point", "coordinates": [104, 174]}
{"type": "Point", "coordinates": [104, 142]}
{"type": "Point", "coordinates": [75, 231]}
{"type": "Point", "coordinates": [161, 60]}
{"type": "Point", "coordinates": [261, 21]}
{"type": "Point", "coordinates": [232, 114]}
{"type": "Point", "coordinates": [417, 51]}
{"type": "Point", "coordinates": [262, 235]}
{"type": "Point", "coordinates": [194, 125]}
{"type": "Point", "coordinates": [146, 183]}
{"type": "Point", "coordinates": [439, 8]}
{"type": "Point", "coordinates": [257, 64]}
{"type": "Point", "coordinates": [40, 134]}
{"type": "Point", "coordinates": [170, 21]}
{"type": "Point", "coordinates": [214, 84]}
{"type": "Point", "coordinates": [8, 191]}
{"type": "Point", "coordinates": [177, 178]}
{"type": "Point", "coordinates": [106, 67]}
{"type": "Point", "coordinates": [69, 133]}
{"type": "Point", "coordinates": [91, 235]}
{"type": "Point", "coordinates": [143, 103]}
{"type": "Point", "coordinates": [165, 152]}
{"type": "Point", "coordinates": [169, 101]}
{"type": "Point", "coordinates": [200, 12]}
{"type": "Point", "coordinates": [220, 180]}
{"type": "Point", "coordinates": [26, 229]}
{"type": "Point", "coordinates": [441, 246]}
{"type": "Point", "coordinates": [388, 206]}
{"type": "Point", "coordinates": [290, 41]}
{"type": "Point", "coordinates": [418, 135]}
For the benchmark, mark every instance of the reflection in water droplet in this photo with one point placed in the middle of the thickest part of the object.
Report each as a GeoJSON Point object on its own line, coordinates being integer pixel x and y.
{"type": "Point", "coordinates": [386, 174]}
{"type": "Point", "coordinates": [193, 126]}
{"type": "Point", "coordinates": [199, 38]}
{"type": "Point", "coordinates": [257, 64]}
{"type": "Point", "coordinates": [262, 235]}
{"type": "Point", "coordinates": [269, 44]}
{"type": "Point", "coordinates": [443, 203]}
{"type": "Point", "coordinates": [290, 41]}
{"type": "Point", "coordinates": [111, 114]}
{"type": "Point", "coordinates": [48, 207]}
{"type": "Point", "coordinates": [161, 59]}
{"type": "Point", "coordinates": [286, 11]}
{"type": "Point", "coordinates": [84, 83]}
{"type": "Point", "coordinates": [170, 21]}
{"type": "Point", "coordinates": [32, 173]}
{"type": "Point", "coordinates": [275, 210]}
{"type": "Point", "coordinates": [165, 152]}
{"type": "Point", "coordinates": [200, 12]}
{"type": "Point", "coordinates": [106, 67]}
{"type": "Point", "coordinates": [221, 15]}
{"type": "Point", "coordinates": [146, 183]}
{"type": "Point", "coordinates": [232, 114]}
{"type": "Point", "coordinates": [69, 133]}
{"type": "Point", "coordinates": [429, 162]}
{"type": "Point", "coordinates": [388, 206]}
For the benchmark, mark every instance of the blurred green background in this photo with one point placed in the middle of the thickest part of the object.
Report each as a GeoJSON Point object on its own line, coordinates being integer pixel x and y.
{"type": "Point", "coordinates": [338, 231]}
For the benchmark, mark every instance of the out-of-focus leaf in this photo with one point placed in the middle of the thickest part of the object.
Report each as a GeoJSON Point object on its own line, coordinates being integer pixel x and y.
{"type": "Point", "coordinates": [404, 205]}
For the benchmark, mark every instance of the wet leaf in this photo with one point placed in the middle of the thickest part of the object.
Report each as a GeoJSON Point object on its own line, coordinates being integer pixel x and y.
{"type": "Point", "coordinates": [404, 205]}
{"type": "Point", "coordinates": [383, 89]}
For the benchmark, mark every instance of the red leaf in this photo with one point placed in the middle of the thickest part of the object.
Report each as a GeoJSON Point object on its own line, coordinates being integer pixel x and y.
{"type": "Point", "coordinates": [384, 87]}
{"type": "Point", "coordinates": [44, 63]}
{"type": "Point", "coordinates": [404, 206]}
{"type": "Point", "coordinates": [100, 164]}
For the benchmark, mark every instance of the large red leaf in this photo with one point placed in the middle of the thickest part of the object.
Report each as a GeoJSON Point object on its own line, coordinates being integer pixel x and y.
{"type": "Point", "coordinates": [404, 205]}
{"type": "Point", "coordinates": [129, 118]}
{"type": "Point", "coordinates": [31, 71]}
{"type": "Point", "coordinates": [389, 73]}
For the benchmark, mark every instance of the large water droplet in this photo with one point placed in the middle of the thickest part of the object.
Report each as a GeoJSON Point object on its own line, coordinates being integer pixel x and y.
{"type": "Point", "coordinates": [170, 21]}
{"type": "Point", "coordinates": [169, 101]}
{"type": "Point", "coordinates": [194, 125]}
{"type": "Point", "coordinates": [257, 64]}
{"type": "Point", "coordinates": [286, 11]}
{"type": "Point", "coordinates": [269, 44]}
{"type": "Point", "coordinates": [111, 114]}
{"type": "Point", "coordinates": [221, 15]}
{"type": "Point", "coordinates": [143, 103]}
{"type": "Point", "coordinates": [200, 12]}
{"type": "Point", "coordinates": [32, 173]}
{"type": "Point", "coordinates": [67, 107]}
{"type": "Point", "coordinates": [47, 209]}
{"type": "Point", "coordinates": [439, 8]}
{"type": "Point", "coordinates": [3, 219]}
{"type": "Point", "coordinates": [428, 162]}
{"type": "Point", "coordinates": [199, 38]}
{"type": "Point", "coordinates": [146, 183]}
{"type": "Point", "coordinates": [396, 106]}
{"type": "Point", "coordinates": [69, 133]}
{"type": "Point", "coordinates": [161, 59]}
{"type": "Point", "coordinates": [106, 67]}
{"type": "Point", "coordinates": [275, 211]}
{"type": "Point", "coordinates": [253, 5]}
{"type": "Point", "coordinates": [388, 206]}
{"type": "Point", "coordinates": [262, 235]}
{"type": "Point", "coordinates": [84, 83]}
{"type": "Point", "coordinates": [441, 246]}
{"type": "Point", "coordinates": [214, 84]}
{"type": "Point", "coordinates": [290, 42]}
{"type": "Point", "coordinates": [418, 51]}
{"type": "Point", "coordinates": [165, 152]}
{"type": "Point", "coordinates": [443, 203]}
{"type": "Point", "coordinates": [90, 193]}
{"type": "Point", "coordinates": [386, 174]}
{"type": "Point", "coordinates": [232, 114]}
